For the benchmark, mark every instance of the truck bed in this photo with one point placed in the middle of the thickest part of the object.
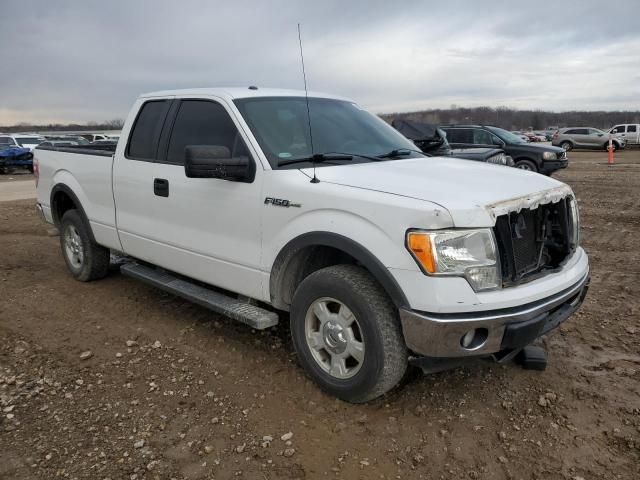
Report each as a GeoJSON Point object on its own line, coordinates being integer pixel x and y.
{"type": "Point", "coordinates": [86, 170]}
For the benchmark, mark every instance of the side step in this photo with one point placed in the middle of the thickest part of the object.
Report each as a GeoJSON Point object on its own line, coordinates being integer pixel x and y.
{"type": "Point", "coordinates": [252, 315]}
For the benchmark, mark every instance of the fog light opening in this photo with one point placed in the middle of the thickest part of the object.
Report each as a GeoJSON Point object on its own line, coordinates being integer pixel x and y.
{"type": "Point", "coordinates": [474, 338]}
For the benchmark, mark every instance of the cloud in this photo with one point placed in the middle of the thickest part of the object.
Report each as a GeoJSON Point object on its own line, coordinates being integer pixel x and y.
{"type": "Point", "coordinates": [82, 61]}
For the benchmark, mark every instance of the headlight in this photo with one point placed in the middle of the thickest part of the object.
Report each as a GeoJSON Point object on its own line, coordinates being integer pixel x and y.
{"type": "Point", "coordinates": [499, 159]}
{"type": "Point", "coordinates": [467, 253]}
{"type": "Point", "coordinates": [549, 155]}
{"type": "Point", "coordinates": [575, 222]}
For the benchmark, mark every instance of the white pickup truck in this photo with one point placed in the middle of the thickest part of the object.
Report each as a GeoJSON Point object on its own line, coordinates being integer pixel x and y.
{"type": "Point", "coordinates": [629, 132]}
{"type": "Point", "coordinates": [255, 203]}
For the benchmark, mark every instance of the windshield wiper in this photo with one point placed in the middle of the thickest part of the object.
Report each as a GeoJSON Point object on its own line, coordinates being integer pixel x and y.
{"type": "Point", "coordinates": [328, 157]}
{"type": "Point", "coordinates": [400, 152]}
{"type": "Point", "coordinates": [317, 158]}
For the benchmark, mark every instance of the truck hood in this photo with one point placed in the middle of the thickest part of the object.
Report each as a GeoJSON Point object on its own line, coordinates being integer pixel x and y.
{"type": "Point", "coordinates": [474, 193]}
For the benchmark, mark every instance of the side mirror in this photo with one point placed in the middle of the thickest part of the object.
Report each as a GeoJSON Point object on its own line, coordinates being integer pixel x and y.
{"type": "Point", "coordinates": [215, 161]}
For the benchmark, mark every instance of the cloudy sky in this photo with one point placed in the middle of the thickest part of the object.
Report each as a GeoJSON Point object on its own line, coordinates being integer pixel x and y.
{"type": "Point", "coordinates": [88, 60]}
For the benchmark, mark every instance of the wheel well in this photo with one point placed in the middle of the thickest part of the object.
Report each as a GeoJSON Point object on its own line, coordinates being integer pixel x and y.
{"type": "Point", "coordinates": [61, 202]}
{"type": "Point", "coordinates": [314, 251]}
{"type": "Point", "coordinates": [519, 159]}
{"type": "Point", "coordinates": [300, 264]}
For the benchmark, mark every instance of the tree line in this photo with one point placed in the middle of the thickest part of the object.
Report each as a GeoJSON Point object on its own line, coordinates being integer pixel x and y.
{"type": "Point", "coordinates": [504, 117]}
{"type": "Point", "coordinates": [514, 119]}
{"type": "Point", "coordinates": [115, 124]}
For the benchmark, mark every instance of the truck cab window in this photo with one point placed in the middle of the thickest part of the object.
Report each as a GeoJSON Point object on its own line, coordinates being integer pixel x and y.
{"type": "Point", "coordinates": [143, 143]}
{"type": "Point", "coordinates": [203, 122]}
{"type": "Point", "coordinates": [631, 129]}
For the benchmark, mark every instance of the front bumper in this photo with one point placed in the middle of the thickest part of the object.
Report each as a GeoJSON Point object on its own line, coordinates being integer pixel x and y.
{"type": "Point", "coordinates": [441, 335]}
{"type": "Point", "coordinates": [549, 166]}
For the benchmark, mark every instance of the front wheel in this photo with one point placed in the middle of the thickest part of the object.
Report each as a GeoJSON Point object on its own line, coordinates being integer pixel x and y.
{"type": "Point", "coordinates": [347, 335]}
{"type": "Point", "coordinates": [614, 146]}
{"type": "Point", "coordinates": [85, 259]}
{"type": "Point", "coordinates": [566, 146]}
{"type": "Point", "coordinates": [526, 165]}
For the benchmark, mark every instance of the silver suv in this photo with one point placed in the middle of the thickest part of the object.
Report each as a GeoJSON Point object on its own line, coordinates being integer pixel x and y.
{"type": "Point", "coordinates": [584, 137]}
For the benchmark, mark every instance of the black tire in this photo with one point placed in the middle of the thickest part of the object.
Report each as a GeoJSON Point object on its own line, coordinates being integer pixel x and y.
{"type": "Point", "coordinates": [526, 165]}
{"type": "Point", "coordinates": [566, 146]}
{"type": "Point", "coordinates": [613, 144]}
{"type": "Point", "coordinates": [385, 353]}
{"type": "Point", "coordinates": [92, 260]}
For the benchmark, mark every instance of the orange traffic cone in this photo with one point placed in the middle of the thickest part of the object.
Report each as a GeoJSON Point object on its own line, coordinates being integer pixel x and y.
{"type": "Point", "coordinates": [610, 148]}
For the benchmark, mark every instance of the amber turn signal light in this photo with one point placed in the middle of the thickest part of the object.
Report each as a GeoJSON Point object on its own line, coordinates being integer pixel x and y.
{"type": "Point", "coordinates": [419, 245]}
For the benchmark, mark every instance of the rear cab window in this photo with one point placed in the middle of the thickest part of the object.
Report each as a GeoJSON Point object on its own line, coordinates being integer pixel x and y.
{"type": "Point", "coordinates": [145, 134]}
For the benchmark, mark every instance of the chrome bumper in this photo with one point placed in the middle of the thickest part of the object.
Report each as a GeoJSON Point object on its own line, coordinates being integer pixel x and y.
{"type": "Point", "coordinates": [40, 213]}
{"type": "Point", "coordinates": [441, 335]}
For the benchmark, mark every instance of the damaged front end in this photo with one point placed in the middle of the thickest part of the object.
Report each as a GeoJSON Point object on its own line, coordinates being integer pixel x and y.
{"type": "Point", "coordinates": [535, 235]}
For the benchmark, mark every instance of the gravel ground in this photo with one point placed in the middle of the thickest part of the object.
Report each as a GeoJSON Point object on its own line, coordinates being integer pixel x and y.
{"type": "Point", "coordinates": [116, 380]}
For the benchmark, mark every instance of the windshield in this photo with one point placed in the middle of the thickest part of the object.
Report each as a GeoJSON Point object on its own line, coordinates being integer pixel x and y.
{"type": "Point", "coordinates": [507, 137]}
{"type": "Point", "coordinates": [29, 140]}
{"type": "Point", "coordinates": [281, 127]}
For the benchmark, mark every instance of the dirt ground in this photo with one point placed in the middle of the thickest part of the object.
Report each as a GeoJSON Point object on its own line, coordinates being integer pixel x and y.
{"type": "Point", "coordinates": [16, 176]}
{"type": "Point", "coordinates": [171, 390]}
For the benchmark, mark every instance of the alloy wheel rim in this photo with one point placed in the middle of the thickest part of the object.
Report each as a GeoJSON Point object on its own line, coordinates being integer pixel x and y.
{"type": "Point", "coordinates": [73, 247]}
{"type": "Point", "coordinates": [334, 338]}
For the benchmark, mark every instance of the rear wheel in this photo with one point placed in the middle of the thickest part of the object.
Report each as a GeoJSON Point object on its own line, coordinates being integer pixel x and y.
{"type": "Point", "coordinates": [526, 165]}
{"type": "Point", "coordinates": [85, 259]}
{"type": "Point", "coordinates": [614, 146]}
{"type": "Point", "coordinates": [347, 334]}
{"type": "Point", "coordinates": [566, 146]}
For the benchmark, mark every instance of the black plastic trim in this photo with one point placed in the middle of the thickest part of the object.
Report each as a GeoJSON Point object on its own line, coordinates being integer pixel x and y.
{"type": "Point", "coordinates": [347, 245]}
{"type": "Point", "coordinates": [61, 187]}
{"type": "Point", "coordinates": [82, 149]}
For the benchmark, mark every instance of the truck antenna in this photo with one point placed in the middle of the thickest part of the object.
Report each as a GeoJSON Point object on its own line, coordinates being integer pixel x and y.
{"type": "Point", "coordinates": [306, 97]}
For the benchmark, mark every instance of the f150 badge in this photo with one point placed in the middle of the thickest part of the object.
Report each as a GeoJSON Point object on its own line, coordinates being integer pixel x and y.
{"type": "Point", "coordinates": [280, 202]}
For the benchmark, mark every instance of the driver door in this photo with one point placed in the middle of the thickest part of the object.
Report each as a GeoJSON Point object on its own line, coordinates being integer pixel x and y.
{"type": "Point", "coordinates": [207, 228]}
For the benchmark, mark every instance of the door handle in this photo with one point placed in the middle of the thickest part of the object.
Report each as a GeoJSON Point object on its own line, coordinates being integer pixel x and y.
{"type": "Point", "coordinates": [161, 187]}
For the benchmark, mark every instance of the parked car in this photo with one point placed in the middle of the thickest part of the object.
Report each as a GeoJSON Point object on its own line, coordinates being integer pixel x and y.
{"type": "Point", "coordinates": [522, 136]}
{"type": "Point", "coordinates": [380, 255]}
{"type": "Point", "coordinates": [13, 156]}
{"type": "Point", "coordinates": [105, 142]}
{"type": "Point", "coordinates": [584, 137]}
{"type": "Point", "coordinates": [19, 140]}
{"type": "Point", "coordinates": [58, 143]}
{"type": "Point", "coordinates": [432, 140]}
{"type": "Point", "coordinates": [92, 137]}
{"type": "Point", "coordinates": [629, 132]}
{"type": "Point", "coordinates": [527, 156]}
{"type": "Point", "coordinates": [537, 136]}
{"type": "Point", "coordinates": [76, 139]}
